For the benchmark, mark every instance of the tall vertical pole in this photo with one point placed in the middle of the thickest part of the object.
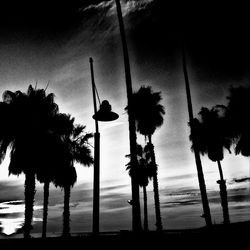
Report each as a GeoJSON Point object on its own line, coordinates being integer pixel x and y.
{"type": "Point", "coordinates": [96, 185]}
{"type": "Point", "coordinates": [136, 213]}
{"type": "Point", "coordinates": [201, 180]}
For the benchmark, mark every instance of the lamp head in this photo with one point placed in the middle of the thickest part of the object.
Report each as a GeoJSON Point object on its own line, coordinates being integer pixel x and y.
{"type": "Point", "coordinates": [104, 114]}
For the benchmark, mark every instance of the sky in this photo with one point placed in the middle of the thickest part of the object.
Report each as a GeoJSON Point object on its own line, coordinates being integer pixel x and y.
{"type": "Point", "coordinates": [51, 44]}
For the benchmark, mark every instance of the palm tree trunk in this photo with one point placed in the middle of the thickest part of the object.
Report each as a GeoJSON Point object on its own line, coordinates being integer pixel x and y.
{"type": "Point", "coordinates": [156, 188]}
{"type": "Point", "coordinates": [66, 212]}
{"type": "Point", "coordinates": [202, 185]}
{"type": "Point", "coordinates": [45, 207]}
{"type": "Point", "coordinates": [136, 210]}
{"type": "Point", "coordinates": [29, 194]}
{"type": "Point", "coordinates": [223, 195]}
{"type": "Point", "coordinates": [145, 198]}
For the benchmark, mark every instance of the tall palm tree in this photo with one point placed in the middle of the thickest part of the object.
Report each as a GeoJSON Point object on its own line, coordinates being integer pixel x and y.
{"type": "Point", "coordinates": [75, 149]}
{"type": "Point", "coordinates": [148, 113]}
{"type": "Point", "coordinates": [31, 116]}
{"type": "Point", "coordinates": [142, 176]}
{"type": "Point", "coordinates": [212, 138]}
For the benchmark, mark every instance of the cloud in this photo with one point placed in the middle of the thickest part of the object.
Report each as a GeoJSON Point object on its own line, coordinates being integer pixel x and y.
{"type": "Point", "coordinates": [240, 180]}
{"type": "Point", "coordinates": [127, 7]}
{"type": "Point", "coordinates": [180, 177]}
{"type": "Point", "coordinates": [98, 6]}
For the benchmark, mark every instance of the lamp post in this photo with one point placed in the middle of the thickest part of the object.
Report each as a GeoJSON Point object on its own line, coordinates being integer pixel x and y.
{"type": "Point", "coordinates": [136, 214]}
{"type": "Point", "coordinates": [104, 114]}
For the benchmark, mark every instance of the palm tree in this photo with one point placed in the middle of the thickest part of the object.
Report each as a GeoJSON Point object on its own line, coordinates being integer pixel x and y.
{"type": "Point", "coordinates": [66, 180]}
{"type": "Point", "coordinates": [148, 113]}
{"type": "Point", "coordinates": [5, 129]}
{"type": "Point", "coordinates": [142, 176]}
{"type": "Point", "coordinates": [75, 150]}
{"type": "Point", "coordinates": [51, 148]}
{"type": "Point", "coordinates": [237, 116]}
{"type": "Point", "coordinates": [30, 119]}
{"type": "Point", "coordinates": [212, 138]}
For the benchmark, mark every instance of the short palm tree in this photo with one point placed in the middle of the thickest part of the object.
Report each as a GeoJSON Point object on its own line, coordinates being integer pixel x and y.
{"type": "Point", "coordinates": [75, 149]}
{"type": "Point", "coordinates": [148, 113]}
{"type": "Point", "coordinates": [212, 138]}
{"type": "Point", "coordinates": [238, 117]}
{"type": "Point", "coordinates": [53, 157]}
{"type": "Point", "coordinates": [30, 118]}
{"type": "Point", "coordinates": [53, 150]}
{"type": "Point", "coordinates": [142, 176]}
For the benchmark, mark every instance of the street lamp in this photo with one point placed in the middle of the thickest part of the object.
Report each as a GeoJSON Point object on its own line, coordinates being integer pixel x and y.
{"type": "Point", "coordinates": [104, 114]}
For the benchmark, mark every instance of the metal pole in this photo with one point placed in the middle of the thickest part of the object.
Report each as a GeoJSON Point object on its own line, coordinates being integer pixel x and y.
{"type": "Point", "coordinates": [202, 184]}
{"type": "Point", "coordinates": [96, 185]}
{"type": "Point", "coordinates": [136, 213]}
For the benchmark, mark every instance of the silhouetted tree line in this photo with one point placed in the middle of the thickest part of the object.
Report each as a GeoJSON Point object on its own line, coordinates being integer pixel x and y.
{"type": "Point", "coordinates": [44, 145]}
{"type": "Point", "coordinates": [148, 114]}
{"type": "Point", "coordinates": [222, 127]}
{"type": "Point", "coordinates": [218, 128]}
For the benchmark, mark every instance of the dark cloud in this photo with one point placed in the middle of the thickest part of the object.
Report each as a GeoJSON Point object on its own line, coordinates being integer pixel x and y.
{"type": "Point", "coordinates": [238, 180]}
{"type": "Point", "coordinates": [42, 15]}
{"type": "Point", "coordinates": [180, 203]}
{"type": "Point", "coordinates": [180, 177]}
{"type": "Point", "coordinates": [10, 191]}
{"type": "Point", "coordinates": [187, 196]}
{"type": "Point", "coordinates": [183, 191]}
{"type": "Point", "coordinates": [113, 188]}
{"type": "Point", "coordinates": [14, 202]}
{"type": "Point", "coordinates": [215, 34]}
{"type": "Point", "coordinates": [10, 215]}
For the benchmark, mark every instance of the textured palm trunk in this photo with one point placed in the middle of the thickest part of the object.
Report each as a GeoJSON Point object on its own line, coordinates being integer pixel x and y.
{"type": "Point", "coordinates": [45, 207]}
{"type": "Point", "coordinates": [136, 210]}
{"type": "Point", "coordinates": [29, 193]}
{"type": "Point", "coordinates": [156, 188]}
{"type": "Point", "coordinates": [66, 212]}
{"type": "Point", "coordinates": [145, 199]}
{"type": "Point", "coordinates": [202, 185]}
{"type": "Point", "coordinates": [223, 195]}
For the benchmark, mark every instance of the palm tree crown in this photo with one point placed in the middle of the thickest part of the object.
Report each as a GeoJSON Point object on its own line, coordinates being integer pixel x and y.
{"type": "Point", "coordinates": [212, 133]}
{"type": "Point", "coordinates": [147, 110]}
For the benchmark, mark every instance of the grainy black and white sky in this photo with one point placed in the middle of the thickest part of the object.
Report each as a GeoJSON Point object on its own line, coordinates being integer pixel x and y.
{"type": "Point", "coordinates": [51, 41]}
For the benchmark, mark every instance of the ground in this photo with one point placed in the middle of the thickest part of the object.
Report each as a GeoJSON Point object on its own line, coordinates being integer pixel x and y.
{"type": "Point", "coordinates": [218, 237]}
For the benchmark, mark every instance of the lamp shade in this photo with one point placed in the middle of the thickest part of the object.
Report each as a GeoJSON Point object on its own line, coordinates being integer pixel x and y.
{"type": "Point", "coordinates": [104, 114]}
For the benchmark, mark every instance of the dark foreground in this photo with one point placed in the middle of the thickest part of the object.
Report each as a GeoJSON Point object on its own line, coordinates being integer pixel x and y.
{"type": "Point", "coordinates": [218, 237]}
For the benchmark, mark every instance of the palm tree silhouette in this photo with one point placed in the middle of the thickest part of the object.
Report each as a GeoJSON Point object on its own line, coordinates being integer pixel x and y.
{"type": "Point", "coordinates": [5, 129]}
{"type": "Point", "coordinates": [211, 138]}
{"type": "Point", "coordinates": [237, 110]}
{"type": "Point", "coordinates": [142, 175]}
{"type": "Point", "coordinates": [30, 118]}
{"type": "Point", "coordinates": [53, 158]}
{"type": "Point", "coordinates": [148, 113]}
{"type": "Point", "coordinates": [75, 149]}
